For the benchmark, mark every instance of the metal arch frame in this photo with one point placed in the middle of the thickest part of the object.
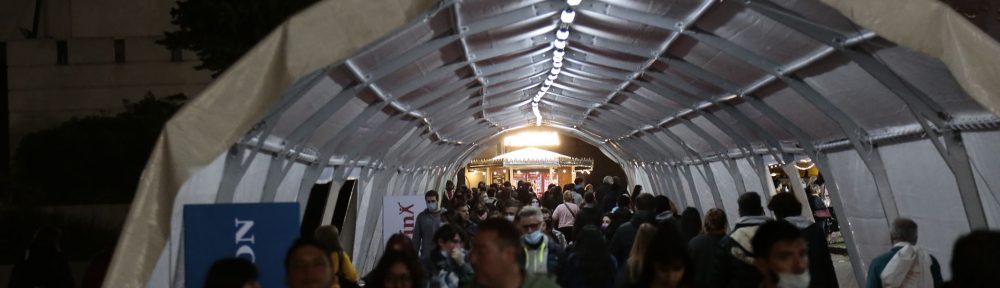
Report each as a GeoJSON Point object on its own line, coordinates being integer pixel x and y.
{"type": "Point", "coordinates": [850, 128]}
{"type": "Point", "coordinates": [593, 41]}
{"type": "Point", "coordinates": [920, 105]}
{"type": "Point", "coordinates": [655, 21]}
{"type": "Point", "coordinates": [369, 79]}
{"type": "Point", "coordinates": [685, 170]}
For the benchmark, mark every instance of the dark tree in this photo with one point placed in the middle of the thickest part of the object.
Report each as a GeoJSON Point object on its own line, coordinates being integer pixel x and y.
{"type": "Point", "coordinates": [94, 159]}
{"type": "Point", "coordinates": [221, 31]}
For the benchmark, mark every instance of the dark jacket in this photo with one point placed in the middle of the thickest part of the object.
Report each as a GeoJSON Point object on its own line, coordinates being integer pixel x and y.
{"type": "Point", "coordinates": [703, 249]}
{"type": "Point", "coordinates": [621, 242]}
{"type": "Point", "coordinates": [469, 227]}
{"type": "Point", "coordinates": [572, 274]}
{"type": "Point", "coordinates": [733, 263]}
{"type": "Point", "coordinates": [878, 265]}
{"type": "Point", "coordinates": [587, 216]}
{"type": "Point", "coordinates": [821, 272]}
{"type": "Point", "coordinates": [603, 194]}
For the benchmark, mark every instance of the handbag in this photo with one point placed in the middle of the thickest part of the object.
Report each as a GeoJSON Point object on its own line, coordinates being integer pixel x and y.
{"type": "Point", "coordinates": [822, 213]}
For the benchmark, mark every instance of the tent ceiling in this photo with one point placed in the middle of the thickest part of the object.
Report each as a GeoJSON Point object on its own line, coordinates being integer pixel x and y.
{"type": "Point", "coordinates": [672, 80]}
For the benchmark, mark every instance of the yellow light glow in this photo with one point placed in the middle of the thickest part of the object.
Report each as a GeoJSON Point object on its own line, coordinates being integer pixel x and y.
{"type": "Point", "coordinates": [532, 139]}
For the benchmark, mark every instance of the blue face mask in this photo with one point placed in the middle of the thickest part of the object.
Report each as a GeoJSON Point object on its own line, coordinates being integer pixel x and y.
{"type": "Point", "coordinates": [432, 206]}
{"type": "Point", "coordinates": [534, 237]}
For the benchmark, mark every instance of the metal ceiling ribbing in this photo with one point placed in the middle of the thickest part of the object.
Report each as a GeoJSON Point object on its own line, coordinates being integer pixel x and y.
{"type": "Point", "coordinates": [693, 98]}
{"type": "Point", "coordinates": [659, 86]}
{"type": "Point", "coordinates": [680, 73]}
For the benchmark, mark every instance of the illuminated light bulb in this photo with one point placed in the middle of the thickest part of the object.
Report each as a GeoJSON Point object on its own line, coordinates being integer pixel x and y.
{"type": "Point", "coordinates": [562, 33]}
{"type": "Point", "coordinates": [557, 64]}
{"type": "Point", "coordinates": [559, 53]}
{"type": "Point", "coordinates": [555, 70]}
{"type": "Point", "coordinates": [552, 77]}
{"type": "Point", "coordinates": [567, 16]}
{"type": "Point", "coordinates": [573, 2]}
{"type": "Point", "coordinates": [557, 58]}
{"type": "Point", "coordinates": [548, 82]}
{"type": "Point", "coordinates": [560, 44]}
{"type": "Point", "coordinates": [546, 88]}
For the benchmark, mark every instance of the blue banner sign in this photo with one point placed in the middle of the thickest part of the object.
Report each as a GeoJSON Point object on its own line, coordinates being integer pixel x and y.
{"type": "Point", "coordinates": [259, 232]}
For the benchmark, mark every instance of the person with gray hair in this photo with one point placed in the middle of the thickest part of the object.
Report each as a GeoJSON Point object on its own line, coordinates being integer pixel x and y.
{"type": "Point", "coordinates": [541, 252]}
{"type": "Point", "coordinates": [607, 193]}
{"type": "Point", "coordinates": [906, 264]}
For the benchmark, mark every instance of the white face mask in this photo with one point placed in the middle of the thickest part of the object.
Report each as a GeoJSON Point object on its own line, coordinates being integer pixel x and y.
{"type": "Point", "coordinates": [432, 206]}
{"type": "Point", "coordinates": [789, 280]}
{"type": "Point", "coordinates": [509, 218]}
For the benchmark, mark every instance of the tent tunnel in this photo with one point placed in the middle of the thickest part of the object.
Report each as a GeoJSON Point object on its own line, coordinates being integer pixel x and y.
{"type": "Point", "coordinates": [895, 102]}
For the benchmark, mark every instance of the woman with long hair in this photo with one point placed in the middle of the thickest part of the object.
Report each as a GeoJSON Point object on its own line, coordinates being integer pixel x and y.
{"type": "Point", "coordinates": [630, 275]}
{"type": "Point", "coordinates": [590, 263]}
{"type": "Point", "coordinates": [397, 270]}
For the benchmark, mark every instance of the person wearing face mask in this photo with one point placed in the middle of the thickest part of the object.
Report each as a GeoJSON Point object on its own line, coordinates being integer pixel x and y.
{"type": "Point", "coordinates": [446, 265]}
{"type": "Point", "coordinates": [510, 211]}
{"type": "Point", "coordinates": [541, 254]}
{"type": "Point", "coordinates": [428, 222]}
{"type": "Point", "coordinates": [787, 208]}
{"type": "Point", "coordinates": [780, 255]}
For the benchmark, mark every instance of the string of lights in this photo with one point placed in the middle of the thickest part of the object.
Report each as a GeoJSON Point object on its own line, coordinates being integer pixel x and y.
{"type": "Point", "coordinates": [558, 53]}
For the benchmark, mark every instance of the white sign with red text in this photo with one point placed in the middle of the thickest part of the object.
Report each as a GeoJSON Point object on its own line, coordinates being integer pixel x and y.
{"type": "Point", "coordinates": [399, 215]}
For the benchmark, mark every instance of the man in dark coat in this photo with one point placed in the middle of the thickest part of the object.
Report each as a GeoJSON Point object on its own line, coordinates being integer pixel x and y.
{"type": "Point", "coordinates": [624, 236]}
{"type": "Point", "coordinates": [606, 194]}
{"type": "Point", "coordinates": [821, 273]}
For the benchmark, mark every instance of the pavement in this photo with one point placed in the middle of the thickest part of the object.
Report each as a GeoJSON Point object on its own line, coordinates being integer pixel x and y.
{"type": "Point", "coordinates": [845, 271]}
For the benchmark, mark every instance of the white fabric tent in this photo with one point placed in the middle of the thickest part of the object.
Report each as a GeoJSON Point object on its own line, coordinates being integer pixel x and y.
{"type": "Point", "coordinates": [895, 100]}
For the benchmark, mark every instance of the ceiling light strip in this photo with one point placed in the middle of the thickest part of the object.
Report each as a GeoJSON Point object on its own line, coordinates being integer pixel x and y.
{"type": "Point", "coordinates": [558, 55]}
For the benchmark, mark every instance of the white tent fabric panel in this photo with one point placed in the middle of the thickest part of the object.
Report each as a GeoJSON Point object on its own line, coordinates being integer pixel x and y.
{"type": "Point", "coordinates": [727, 189]}
{"type": "Point", "coordinates": [288, 189]}
{"type": "Point", "coordinates": [201, 188]}
{"type": "Point", "coordinates": [251, 186]}
{"type": "Point", "coordinates": [708, 197]}
{"type": "Point", "coordinates": [685, 187]}
{"type": "Point", "coordinates": [983, 151]}
{"type": "Point", "coordinates": [862, 209]}
{"type": "Point", "coordinates": [369, 222]}
{"type": "Point", "coordinates": [751, 177]}
{"type": "Point", "coordinates": [925, 190]}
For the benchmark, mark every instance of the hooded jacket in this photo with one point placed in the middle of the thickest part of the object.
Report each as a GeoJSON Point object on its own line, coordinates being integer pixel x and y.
{"type": "Point", "coordinates": [733, 265]}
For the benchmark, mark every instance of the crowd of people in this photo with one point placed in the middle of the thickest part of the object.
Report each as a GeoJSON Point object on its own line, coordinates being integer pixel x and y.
{"type": "Point", "coordinates": [578, 236]}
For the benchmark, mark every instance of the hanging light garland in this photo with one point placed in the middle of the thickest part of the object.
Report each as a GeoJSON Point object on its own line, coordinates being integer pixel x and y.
{"type": "Point", "coordinates": [558, 55]}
